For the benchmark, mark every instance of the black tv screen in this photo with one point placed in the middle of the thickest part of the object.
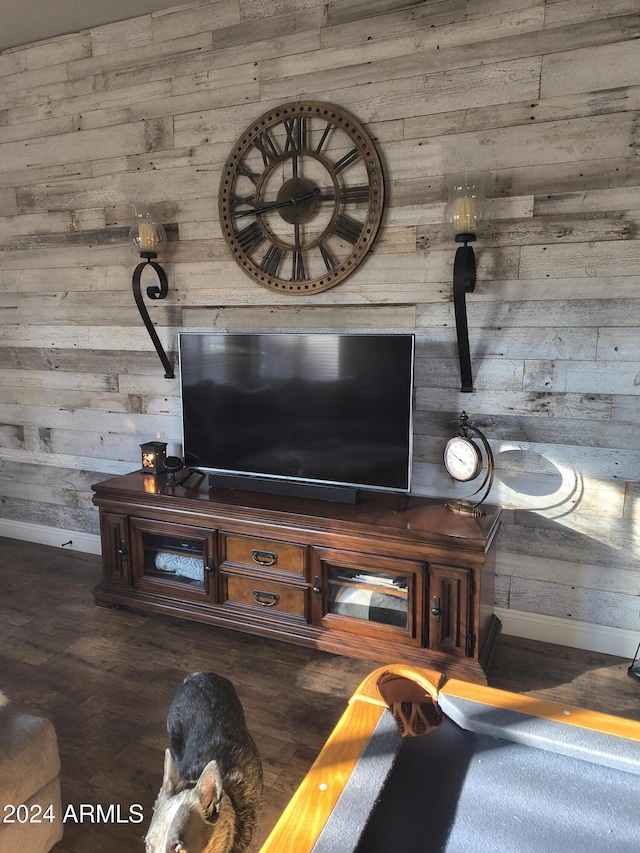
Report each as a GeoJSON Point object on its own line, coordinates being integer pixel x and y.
{"type": "Point", "coordinates": [318, 408]}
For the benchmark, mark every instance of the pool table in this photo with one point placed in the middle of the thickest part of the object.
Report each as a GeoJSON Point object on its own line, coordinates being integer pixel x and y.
{"type": "Point", "coordinates": [419, 762]}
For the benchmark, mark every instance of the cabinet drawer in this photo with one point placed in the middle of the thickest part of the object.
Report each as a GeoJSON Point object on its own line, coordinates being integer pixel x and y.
{"type": "Point", "coordinates": [265, 595]}
{"type": "Point", "coordinates": [263, 553]}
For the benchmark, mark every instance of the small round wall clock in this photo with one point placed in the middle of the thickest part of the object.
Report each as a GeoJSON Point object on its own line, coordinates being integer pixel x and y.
{"type": "Point", "coordinates": [465, 461]}
{"type": "Point", "coordinates": [301, 197]}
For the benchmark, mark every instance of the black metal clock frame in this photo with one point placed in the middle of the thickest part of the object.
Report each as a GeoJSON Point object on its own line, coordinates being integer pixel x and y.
{"type": "Point", "coordinates": [467, 505]}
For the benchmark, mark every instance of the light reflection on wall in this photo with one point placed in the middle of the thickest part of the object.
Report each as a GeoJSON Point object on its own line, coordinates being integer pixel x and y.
{"type": "Point", "coordinates": [591, 506]}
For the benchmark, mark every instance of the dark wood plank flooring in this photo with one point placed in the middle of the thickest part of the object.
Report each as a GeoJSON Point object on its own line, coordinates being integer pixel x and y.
{"type": "Point", "coordinates": [106, 680]}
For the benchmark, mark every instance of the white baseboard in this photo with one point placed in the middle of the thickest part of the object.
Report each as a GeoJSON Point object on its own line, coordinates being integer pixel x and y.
{"type": "Point", "coordinates": [71, 540]}
{"type": "Point", "coordinates": [567, 632]}
{"type": "Point", "coordinates": [515, 623]}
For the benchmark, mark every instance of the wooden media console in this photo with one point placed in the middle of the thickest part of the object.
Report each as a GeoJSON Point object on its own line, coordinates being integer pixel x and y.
{"type": "Point", "coordinates": [389, 580]}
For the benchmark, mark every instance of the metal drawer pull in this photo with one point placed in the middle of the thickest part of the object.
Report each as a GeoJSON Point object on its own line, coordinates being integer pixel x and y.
{"type": "Point", "coordinates": [265, 599]}
{"type": "Point", "coordinates": [435, 610]}
{"type": "Point", "coordinates": [264, 558]}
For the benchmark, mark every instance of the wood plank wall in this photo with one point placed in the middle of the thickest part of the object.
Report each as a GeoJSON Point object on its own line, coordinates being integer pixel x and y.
{"type": "Point", "coordinates": [545, 94]}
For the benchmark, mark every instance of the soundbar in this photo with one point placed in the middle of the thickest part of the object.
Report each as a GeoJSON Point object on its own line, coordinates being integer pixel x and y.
{"type": "Point", "coordinates": [289, 488]}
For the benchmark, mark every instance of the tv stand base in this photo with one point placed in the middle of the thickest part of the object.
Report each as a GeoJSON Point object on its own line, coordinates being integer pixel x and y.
{"type": "Point", "coordinates": [410, 582]}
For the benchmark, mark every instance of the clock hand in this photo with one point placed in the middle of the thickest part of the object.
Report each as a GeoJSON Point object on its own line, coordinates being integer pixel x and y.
{"type": "Point", "coordinates": [297, 272]}
{"type": "Point", "coordinates": [294, 200]}
{"type": "Point", "coordinates": [276, 205]}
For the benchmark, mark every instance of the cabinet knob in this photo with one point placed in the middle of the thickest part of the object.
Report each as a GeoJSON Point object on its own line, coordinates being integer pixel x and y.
{"type": "Point", "coordinates": [316, 586]}
{"type": "Point", "coordinates": [435, 610]}
{"type": "Point", "coordinates": [209, 564]}
{"type": "Point", "coordinates": [122, 550]}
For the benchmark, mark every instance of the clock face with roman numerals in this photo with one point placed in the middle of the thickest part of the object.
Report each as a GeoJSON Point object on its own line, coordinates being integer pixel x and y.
{"type": "Point", "coordinates": [301, 197]}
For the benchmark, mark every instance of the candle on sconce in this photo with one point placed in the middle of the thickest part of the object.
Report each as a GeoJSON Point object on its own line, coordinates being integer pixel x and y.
{"type": "Point", "coordinates": [466, 208]}
{"type": "Point", "coordinates": [147, 234]}
{"type": "Point", "coordinates": [148, 238]}
{"type": "Point", "coordinates": [464, 216]}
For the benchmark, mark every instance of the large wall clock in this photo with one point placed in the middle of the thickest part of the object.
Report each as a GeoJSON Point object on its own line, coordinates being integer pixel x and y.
{"type": "Point", "coordinates": [301, 197]}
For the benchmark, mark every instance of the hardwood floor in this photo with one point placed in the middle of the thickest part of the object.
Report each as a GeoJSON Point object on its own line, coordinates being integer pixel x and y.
{"type": "Point", "coordinates": [106, 680]}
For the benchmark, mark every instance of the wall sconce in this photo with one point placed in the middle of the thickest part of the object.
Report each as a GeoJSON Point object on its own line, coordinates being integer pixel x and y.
{"type": "Point", "coordinates": [153, 456]}
{"type": "Point", "coordinates": [465, 209]}
{"type": "Point", "coordinates": [147, 235]}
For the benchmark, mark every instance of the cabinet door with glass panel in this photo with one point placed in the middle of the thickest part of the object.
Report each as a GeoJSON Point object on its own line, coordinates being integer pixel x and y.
{"type": "Point", "coordinates": [367, 594]}
{"type": "Point", "coordinates": [172, 559]}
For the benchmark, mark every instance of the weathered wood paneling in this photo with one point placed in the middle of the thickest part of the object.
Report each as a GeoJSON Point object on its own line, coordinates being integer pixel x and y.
{"type": "Point", "coordinates": [544, 94]}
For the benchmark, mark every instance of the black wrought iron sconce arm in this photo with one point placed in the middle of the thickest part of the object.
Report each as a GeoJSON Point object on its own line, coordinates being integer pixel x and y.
{"type": "Point", "coordinates": [464, 281]}
{"type": "Point", "coordinates": [147, 235]}
{"type": "Point", "coordinates": [464, 211]}
{"type": "Point", "coordinates": [153, 292]}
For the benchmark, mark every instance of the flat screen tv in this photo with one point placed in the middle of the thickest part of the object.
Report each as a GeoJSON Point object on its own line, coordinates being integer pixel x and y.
{"type": "Point", "coordinates": [311, 408]}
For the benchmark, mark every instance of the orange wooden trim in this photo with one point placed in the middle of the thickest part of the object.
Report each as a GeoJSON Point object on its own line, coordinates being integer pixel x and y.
{"type": "Point", "coordinates": [307, 812]}
{"type": "Point", "coordinates": [372, 689]}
